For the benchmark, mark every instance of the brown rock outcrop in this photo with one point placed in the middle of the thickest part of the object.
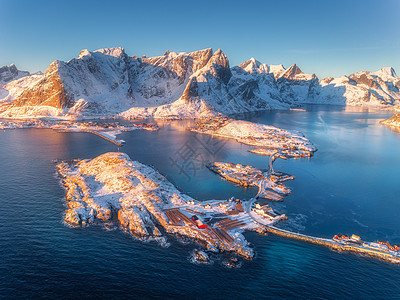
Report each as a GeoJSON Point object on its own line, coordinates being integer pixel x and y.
{"type": "Point", "coordinates": [364, 79]}
{"type": "Point", "coordinates": [48, 91]}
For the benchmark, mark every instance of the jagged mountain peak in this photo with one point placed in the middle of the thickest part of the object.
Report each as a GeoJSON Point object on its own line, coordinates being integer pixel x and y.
{"type": "Point", "coordinates": [13, 67]}
{"type": "Point", "coordinates": [173, 64]}
{"type": "Point", "coordinates": [386, 74]}
{"type": "Point", "coordinates": [117, 52]}
{"type": "Point", "coordinates": [255, 61]}
{"type": "Point", "coordinates": [107, 81]}
{"type": "Point", "coordinates": [201, 58]}
{"type": "Point", "coordinates": [389, 71]}
{"type": "Point", "coordinates": [83, 53]}
{"type": "Point", "coordinates": [52, 67]}
{"type": "Point", "coordinates": [295, 73]}
{"type": "Point", "coordinates": [292, 71]}
{"type": "Point", "coordinates": [277, 70]}
{"type": "Point", "coordinates": [385, 78]}
{"type": "Point", "coordinates": [253, 66]}
{"type": "Point", "coordinates": [11, 72]}
{"type": "Point", "coordinates": [217, 68]}
{"type": "Point", "coordinates": [219, 58]}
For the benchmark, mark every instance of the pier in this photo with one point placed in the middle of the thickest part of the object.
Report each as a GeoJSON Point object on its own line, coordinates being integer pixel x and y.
{"type": "Point", "coordinates": [339, 246]}
{"type": "Point", "coordinates": [105, 136]}
{"type": "Point", "coordinates": [270, 190]}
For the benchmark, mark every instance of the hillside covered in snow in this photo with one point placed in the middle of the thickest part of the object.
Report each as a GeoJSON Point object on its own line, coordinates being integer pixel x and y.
{"type": "Point", "coordinates": [198, 84]}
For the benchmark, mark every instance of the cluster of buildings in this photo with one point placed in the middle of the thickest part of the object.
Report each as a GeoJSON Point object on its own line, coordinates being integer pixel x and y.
{"type": "Point", "coordinates": [265, 211]}
{"type": "Point", "coordinates": [210, 124]}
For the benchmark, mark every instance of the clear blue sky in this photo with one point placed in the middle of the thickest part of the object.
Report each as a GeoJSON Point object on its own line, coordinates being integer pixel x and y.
{"type": "Point", "coordinates": [329, 38]}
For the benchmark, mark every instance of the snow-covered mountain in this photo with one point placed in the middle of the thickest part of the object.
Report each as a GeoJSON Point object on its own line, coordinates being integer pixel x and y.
{"type": "Point", "coordinates": [379, 88]}
{"type": "Point", "coordinates": [9, 73]}
{"type": "Point", "coordinates": [12, 83]}
{"type": "Point", "coordinates": [200, 83]}
{"type": "Point", "coordinates": [108, 81]}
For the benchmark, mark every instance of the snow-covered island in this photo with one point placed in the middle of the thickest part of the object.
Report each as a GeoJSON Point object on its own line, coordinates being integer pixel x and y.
{"type": "Point", "coordinates": [270, 184]}
{"type": "Point", "coordinates": [112, 189]}
{"type": "Point", "coordinates": [74, 126]}
{"type": "Point", "coordinates": [106, 130]}
{"type": "Point", "coordinates": [266, 139]}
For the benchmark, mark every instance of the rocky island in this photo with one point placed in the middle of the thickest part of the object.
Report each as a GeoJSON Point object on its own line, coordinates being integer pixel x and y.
{"type": "Point", "coordinates": [269, 183]}
{"type": "Point", "coordinates": [266, 139]}
{"type": "Point", "coordinates": [113, 189]}
{"type": "Point", "coordinates": [393, 122]}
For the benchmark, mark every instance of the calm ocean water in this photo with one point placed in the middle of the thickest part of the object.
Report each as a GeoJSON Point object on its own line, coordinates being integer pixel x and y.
{"type": "Point", "coordinates": [351, 185]}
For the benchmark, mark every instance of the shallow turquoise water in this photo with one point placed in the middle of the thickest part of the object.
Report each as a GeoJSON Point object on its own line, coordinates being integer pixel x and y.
{"type": "Point", "coordinates": [351, 185]}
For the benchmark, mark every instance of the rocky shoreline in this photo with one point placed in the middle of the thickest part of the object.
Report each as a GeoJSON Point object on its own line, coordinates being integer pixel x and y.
{"type": "Point", "coordinates": [393, 122]}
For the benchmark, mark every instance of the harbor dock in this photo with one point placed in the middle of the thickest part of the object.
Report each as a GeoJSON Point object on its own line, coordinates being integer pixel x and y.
{"type": "Point", "coordinates": [107, 137]}
{"type": "Point", "coordinates": [390, 256]}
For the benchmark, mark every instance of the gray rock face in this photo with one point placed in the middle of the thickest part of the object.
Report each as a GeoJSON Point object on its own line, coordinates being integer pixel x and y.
{"type": "Point", "coordinates": [9, 73]}
{"type": "Point", "coordinates": [191, 91]}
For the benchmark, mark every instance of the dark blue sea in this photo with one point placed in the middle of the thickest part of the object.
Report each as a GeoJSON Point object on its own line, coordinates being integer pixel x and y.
{"type": "Point", "coordinates": [351, 185]}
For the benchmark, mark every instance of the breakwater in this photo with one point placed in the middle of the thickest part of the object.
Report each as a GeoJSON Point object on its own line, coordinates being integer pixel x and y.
{"type": "Point", "coordinates": [388, 256]}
